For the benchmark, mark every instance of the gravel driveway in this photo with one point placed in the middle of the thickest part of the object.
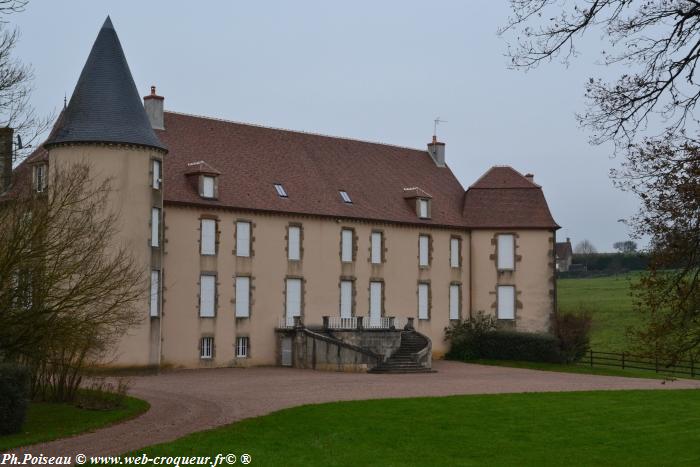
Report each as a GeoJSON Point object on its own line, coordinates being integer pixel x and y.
{"type": "Point", "coordinates": [186, 401]}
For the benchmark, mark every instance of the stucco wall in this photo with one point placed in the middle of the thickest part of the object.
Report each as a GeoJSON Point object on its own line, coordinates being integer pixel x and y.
{"type": "Point", "coordinates": [132, 198]}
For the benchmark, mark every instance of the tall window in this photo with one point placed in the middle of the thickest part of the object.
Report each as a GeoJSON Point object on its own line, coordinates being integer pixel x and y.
{"type": "Point", "coordinates": [294, 243]}
{"type": "Point", "coordinates": [424, 251]}
{"type": "Point", "coordinates": [506, 302]}
{"type": "Point", "coordinates": [208, 186]}
{"type": "Point", "coordinates": [207, 296]}
{"type": "Point", "coordinates": [346, 299]}
{"type": "Point", "coordinates": [208, 237]}
{"type": "Point", "coordinates": [376, 247]}
{"type": "Point", "coordinates": [423, 211]}
{"type": "Point", "coordinates": [346, 245]}
{"type": "Point", "coordinates": [242, 346]}
{"type": "Point", "coordinates": [206, 348]}
{"type": "Point", "coordinates": [243, 238]}
{"type": "Point", "coordinates": [506, 252]}
{"type": "Point", "coordinates": [376, 304]}
{"type": "Point", "coordinates": [423, 301]}
{"type": "Point", "coordinates": [40, 178]}
{"type": "Point", "coordinates": [293, 301]}
{"type": "Point", "coordinates": [454, 301]}
{"type": "Point", "coordinates": [155, 293]}
{"type": "Point", "coordinates": [155, 227]}
{"type": "Point", "coordinates": [242, 297]}
{"type": "Point", "coordinates": [157, 165]}
{"type": "Point", "coordinates": [455, 253]}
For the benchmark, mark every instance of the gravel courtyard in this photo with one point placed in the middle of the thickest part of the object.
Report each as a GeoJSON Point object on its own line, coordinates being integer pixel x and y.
{"type": "Point", "coordinates": [186, 401]}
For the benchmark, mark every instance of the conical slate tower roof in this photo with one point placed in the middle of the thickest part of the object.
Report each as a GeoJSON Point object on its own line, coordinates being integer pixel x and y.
{"type": "Point", "coordinates": [105, 106]}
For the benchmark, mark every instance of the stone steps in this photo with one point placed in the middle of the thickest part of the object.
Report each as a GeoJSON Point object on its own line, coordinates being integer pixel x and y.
{"type": "Point", "coordinates": [404, 360]}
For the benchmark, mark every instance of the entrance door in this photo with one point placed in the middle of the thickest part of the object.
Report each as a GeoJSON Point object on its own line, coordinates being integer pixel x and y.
{"type": "Point", "coordinates": [286, 351]}
{"type": "Point", "coordinates": [375, 303]}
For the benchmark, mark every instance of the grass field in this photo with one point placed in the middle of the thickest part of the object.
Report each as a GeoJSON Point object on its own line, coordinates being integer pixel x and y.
{"type": "Point", "coordinates": [586, 428]}
{"type": "Point", "coordinates": [52, 421]}
{"type": "Point", "coordinates": [609, 300]}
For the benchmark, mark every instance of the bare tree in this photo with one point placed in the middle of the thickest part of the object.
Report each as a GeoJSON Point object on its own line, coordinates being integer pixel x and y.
{"type": "Point", "coordinates": [67, 293]}
{"type": "Point", "coordinates": [628, 246]}
{"type": "Point", "coordinates": [585, 247]}
{"type": "Point", "coordinates": [658, 41]}
{"type": "Point", "coordinates": [16, 79]}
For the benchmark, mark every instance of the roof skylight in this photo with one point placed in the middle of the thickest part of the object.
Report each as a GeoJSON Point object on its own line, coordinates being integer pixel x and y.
{"type": "Point", "coordinates": [281, 192]}
{"type": "Point", "coordinates": [345, 197]}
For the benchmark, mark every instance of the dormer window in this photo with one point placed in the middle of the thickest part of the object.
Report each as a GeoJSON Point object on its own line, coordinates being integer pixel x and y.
{"type": "Point", "coordinates": [345, 197]}
{"type": "Point", "coordinates": [424, 208]}
{"type": "Point", "coordinates": [208, 187]}
{"type": "Point", "coordinates": [40, 178]}
{"type": "Point", "coordinates": [281, 192]}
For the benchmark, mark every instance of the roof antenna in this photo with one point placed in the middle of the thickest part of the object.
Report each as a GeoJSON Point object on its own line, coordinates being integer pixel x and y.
{"type": "Point", "coordinates": [64, 101]}
{"type": "Point", "coordinates": [435, 125]}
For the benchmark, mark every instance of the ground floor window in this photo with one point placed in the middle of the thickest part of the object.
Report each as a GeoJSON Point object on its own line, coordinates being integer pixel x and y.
{"type": "Point", "coordinates": [506, 302]}
{"type": "Point", "coordinates": [242, 346]}
{"type": "Point", "coordinates": [206, 348]}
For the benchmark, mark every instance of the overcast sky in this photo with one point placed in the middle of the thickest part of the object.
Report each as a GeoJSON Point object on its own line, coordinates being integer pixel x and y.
{"type": "Point", "coordinates": [378, 71]}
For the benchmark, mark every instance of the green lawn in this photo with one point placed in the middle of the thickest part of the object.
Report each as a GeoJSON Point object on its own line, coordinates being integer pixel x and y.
{"type": "Point", "coordinates": [585, 428]}
{"type": "Point", "coordinates": [609, 300]}
{"type": "Point", "coordinates": [51, 421]}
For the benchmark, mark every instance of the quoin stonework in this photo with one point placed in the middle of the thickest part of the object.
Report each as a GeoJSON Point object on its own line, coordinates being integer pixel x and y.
{"type": "Point", "coordinates": [249, 235]}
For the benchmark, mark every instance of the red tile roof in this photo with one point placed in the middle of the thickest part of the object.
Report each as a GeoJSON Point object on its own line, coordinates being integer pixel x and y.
{"type": "Point", "coordinates": [504, 198]}
{"type": "Point", "coordinates": [312, 168]}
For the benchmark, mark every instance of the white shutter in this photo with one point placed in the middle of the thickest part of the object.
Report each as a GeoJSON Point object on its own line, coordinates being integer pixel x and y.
{"type": "Point", "coordinates": [506, 302]}
{"type": "Point", "coordinates": [208, 237]}
{"type": "Point", "coordinates": [156, 174]}
{"type": "Point", "coordinates": [293, 299]}
{"type": "Point", "coordinates": [294, 243]}
{"type": "Point", "coordinates": [376, 248]}
{"type": "Point", "coordinates": [423, 301]}
{"type": "Point", "coordinates": [155, 227]}
{"type": "Point", "coordinates": [155, 292]}
{"type": "Point", "coordinates": [423, 208]}
{"type": "Point", "coordinates": [375, 302]}
{"type": "Point", "coordinates": [506, 255]}
{"type": "Point", "coordinates": [345, 299]}
{"type": "Point", "coordinates": [207, 296]}
{"type": "Point", "coordinates": [423, 247]}
{"type": "Point", "coordinates": [346, 246]}
{"type": "Point", "coordinates": [208, 187]}
{"type": "Point", "coordinates": [454, 252]}
{"type": "Point", "coordinates": [454, 301]}
{"type": "Point", "coordinates": [242, 297]}
{"type": "Point", "coordinates": [243, 239]}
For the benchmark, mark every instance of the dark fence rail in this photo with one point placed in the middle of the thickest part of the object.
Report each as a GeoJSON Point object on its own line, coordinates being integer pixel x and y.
{"type": "Point", "coordinates": [638, 362]}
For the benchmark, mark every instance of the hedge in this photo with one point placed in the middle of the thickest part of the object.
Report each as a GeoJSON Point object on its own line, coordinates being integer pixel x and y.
{"type": "Point", "coordinates": [14, 395]}
{"type": "Point", "coordinates": [507, 345]}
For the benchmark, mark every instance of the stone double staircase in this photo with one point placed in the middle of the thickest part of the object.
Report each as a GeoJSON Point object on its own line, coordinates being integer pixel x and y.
{"type": "Point", "coordinates": [410, 356]}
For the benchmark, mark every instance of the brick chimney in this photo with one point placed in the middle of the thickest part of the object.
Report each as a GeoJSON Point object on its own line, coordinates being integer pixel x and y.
{"type": "Point", "coordinates": [437, 152]}
{"type": "Point", "coordinates": [153, 104]}
{"type": "Point", "coordinates": [5, 158]}
{"type": "Point", "coordinates": [530, 177]}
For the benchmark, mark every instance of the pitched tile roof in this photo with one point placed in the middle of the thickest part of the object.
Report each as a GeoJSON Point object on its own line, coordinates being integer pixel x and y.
{"type": "Point", "coordinates": [313, 168]}
{"type": "Point", "coordinates": [504, 198]}
{"type": "Point", "coordinates": [105, 105]}
{"type": "Point", "coordinates": [563, 249]}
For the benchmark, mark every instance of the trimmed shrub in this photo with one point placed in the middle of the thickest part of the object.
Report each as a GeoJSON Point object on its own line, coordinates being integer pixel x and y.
{"type": "Point", "coordinates": [512, 345]}
{"type": "Point", "coordinates": [573, 331]}
{"type": "Point", "coordinates": [478, 337]}
{"type": "Point", "coordinates": [14, 397]}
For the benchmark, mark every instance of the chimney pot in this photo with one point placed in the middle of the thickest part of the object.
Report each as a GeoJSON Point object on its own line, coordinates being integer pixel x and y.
{"type": "Point", "coordinates": [153, 104]}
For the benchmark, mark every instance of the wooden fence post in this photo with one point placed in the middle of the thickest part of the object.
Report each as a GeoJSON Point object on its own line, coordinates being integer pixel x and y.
{"type": "Point", "coordinates": [623, 360]}
{"type": "Point", "coordinates": [692, 367]}
{"type": "Point", "coordinates": [591, 350]}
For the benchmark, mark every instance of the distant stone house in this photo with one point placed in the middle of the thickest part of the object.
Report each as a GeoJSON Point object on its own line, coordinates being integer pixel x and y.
{"type": "Point", "coordinates": [565, 255]}
{"type": "Point", "coordinates": [251, 237]}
